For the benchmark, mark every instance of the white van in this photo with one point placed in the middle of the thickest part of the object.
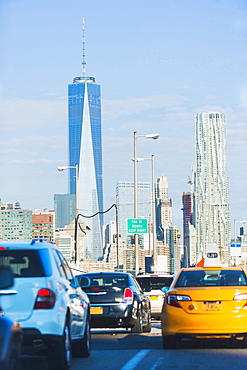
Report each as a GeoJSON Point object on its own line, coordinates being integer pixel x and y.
{"type": "Point", "coordinates": [154, 286]}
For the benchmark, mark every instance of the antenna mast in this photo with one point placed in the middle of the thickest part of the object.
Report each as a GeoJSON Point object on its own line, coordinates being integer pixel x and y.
{"type": "Point", "coordinates": [83, 52]}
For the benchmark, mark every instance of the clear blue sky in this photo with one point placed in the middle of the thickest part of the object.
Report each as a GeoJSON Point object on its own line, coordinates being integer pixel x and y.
{"type": "Point", "coordinates": [158, 63]}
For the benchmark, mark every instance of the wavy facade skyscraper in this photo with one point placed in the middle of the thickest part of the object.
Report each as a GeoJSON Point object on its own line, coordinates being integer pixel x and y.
{"type": "Point", "coordinates": [212, 207]}
{"type": "Point", "coordinates": [85, 149]}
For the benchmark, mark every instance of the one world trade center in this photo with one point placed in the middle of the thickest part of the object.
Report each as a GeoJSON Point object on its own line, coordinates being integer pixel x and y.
{"type": "Point", "coordinates": [85, 150]}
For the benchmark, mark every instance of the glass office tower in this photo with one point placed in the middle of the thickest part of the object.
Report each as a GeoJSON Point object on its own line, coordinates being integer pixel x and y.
{"type": "Point", "coordinates": [64, 206]}
{"type": "Point", "coordinates": [85, 149]}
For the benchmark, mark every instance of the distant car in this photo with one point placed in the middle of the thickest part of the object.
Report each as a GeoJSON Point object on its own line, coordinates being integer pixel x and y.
{"type": "Point", "coordinates": [10, 331]}
{"type": "Point", "coordinates": [51, 308]}
{"type": "Point", "coordinates": [153, 285]}
{"type": "Point", "coordinates": [205, 302]}
{"type": "Point", "coordinates": [116, 301]}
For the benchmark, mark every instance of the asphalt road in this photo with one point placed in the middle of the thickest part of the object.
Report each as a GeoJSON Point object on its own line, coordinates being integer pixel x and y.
{"type": "Point", "coordinates": [122, 350]}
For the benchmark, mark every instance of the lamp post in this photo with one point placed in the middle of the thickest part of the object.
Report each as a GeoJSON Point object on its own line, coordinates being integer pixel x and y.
{"type": "Point", "coordinates": [148, 136]}
{"type": "Point", "coordinates": [62, 168]}
{"type": "Point", "coordinates": [153, 210]}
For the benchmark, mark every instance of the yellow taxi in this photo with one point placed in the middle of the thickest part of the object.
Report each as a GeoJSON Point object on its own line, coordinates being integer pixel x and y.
{"type": "Point", "coordinates": [205, 302]}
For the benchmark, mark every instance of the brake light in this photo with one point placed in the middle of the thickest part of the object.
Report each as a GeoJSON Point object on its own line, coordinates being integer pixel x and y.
{"type": "Point", "coordinates": [2, 248]}
{"type": "Point", "coordinates": [46, 299]}
{"type": "Point", "coordinates": [174, 299]}
{"type": "Point", "coordinates": [128, 295]}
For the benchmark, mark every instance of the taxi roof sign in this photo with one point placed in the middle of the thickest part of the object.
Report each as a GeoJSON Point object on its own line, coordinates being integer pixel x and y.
{"type": "Point", "coordinates": [212, 256]}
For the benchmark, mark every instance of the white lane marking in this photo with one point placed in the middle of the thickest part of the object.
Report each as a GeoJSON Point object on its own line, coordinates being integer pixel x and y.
{"type": "Point", "coordinates": [131, 364]}
{"type": "Point", "coordinates": [158, 363]}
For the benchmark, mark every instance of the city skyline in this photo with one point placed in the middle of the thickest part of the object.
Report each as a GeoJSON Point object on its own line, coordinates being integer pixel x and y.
{"type": "Point", "coordinates": [158, 65]}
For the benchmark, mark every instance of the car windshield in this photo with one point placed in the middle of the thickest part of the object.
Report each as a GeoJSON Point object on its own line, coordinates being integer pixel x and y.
{"type": "Point", "coordinates": [154, 282]}
{"type": "Point", "coordinates": [26, 263]}
{"type": "Point", "coordinates": [105, 280]}
{"type": "Point", "coordinates": [211, 278]}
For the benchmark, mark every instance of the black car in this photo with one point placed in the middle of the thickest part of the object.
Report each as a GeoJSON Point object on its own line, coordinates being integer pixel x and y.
{"type": "Point", "coordinates": [10, 331]}
{"type": "Point", "coordinates": [117, 300]}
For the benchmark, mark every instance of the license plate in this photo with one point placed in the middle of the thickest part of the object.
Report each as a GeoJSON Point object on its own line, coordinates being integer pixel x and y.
{"type": "Point", "coordinates": [153, 298]}
{"type": "Point", "coordinates": [212, 306]}
{"type": "Point", "coordinates": [96, 310]}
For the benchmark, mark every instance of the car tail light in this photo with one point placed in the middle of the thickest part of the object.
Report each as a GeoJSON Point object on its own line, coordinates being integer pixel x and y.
{"type": "Point", "coordinates": [241, 297]}
{"type": "Point", "coordinates": [128, 295]}
{"type": "Point", "coordinates": [46, 299]}
{"type": "Point", "coordinates": [174, 299]}
{"type": "Point", "coordinates": [2, 248]}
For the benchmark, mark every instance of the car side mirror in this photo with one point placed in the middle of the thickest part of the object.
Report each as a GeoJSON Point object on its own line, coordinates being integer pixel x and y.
{"type": "Point", "coordinates": [165, 289]}
{"type": "Point", "coordinates": [6, 278]}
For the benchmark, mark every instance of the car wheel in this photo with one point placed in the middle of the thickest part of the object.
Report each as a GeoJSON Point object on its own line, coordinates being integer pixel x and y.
{"type": "Point", "coordinates": [138, 326]}
{"type": "Point", "coordinates": [59, 355]}
{"type": "Point", "coordinates": [169, 341]}
{"type": "Point", "coordinates": [82, 347]}
{"type": "Point", "coordinates": [148, 327]}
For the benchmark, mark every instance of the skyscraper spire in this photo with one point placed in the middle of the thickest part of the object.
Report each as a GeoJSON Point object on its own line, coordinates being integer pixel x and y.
{"type": "Point", "coordinates": [85, 150]}
{"type": "Point", "coordinates": [83, 52]}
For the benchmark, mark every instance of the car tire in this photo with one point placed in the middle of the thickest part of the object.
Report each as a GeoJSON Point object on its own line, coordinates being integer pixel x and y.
{"type": "Point", "coordinates": [59, 355]}
{"type": "Point", "coordinates": [169, 341]}
{"type": "Point", "coordinates": [82, 347]}
{"type": "Point", "coordinates": [138, 326]}
{"type": "Point", "coordinates": [148, 327]}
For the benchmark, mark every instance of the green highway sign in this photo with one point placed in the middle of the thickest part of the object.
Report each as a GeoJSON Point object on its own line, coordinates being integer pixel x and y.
{"type": "Point", "coordinates": [137, 226]}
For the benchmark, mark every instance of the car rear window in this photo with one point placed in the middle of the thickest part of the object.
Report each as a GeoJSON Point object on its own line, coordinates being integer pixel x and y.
{"type": "Point", "coordinates": [211, 278]}
{"type": "Point", "coordinates": [105, 280]}
{"type": "Point", "coordinates": [26, 263]}
{"type": "Point", "coordinates": [154, 282]}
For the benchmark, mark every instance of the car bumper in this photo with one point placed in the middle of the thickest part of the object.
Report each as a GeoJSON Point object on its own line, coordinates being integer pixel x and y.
{"type": "Point", "coordinates": [112, 316]}
{"type": "Point", "coordinates": [175, 321]}
{"type": "Point", "coordinates": [34, 342]}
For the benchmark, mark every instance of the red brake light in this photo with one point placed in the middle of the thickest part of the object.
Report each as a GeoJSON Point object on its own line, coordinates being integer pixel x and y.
{"type": "Point", "coordinates": [128, 295]}
{"type": "Point", "coordinates": [46, 299]}
{"type": "Point", "coordinates": [2, 248]}
{"type": "Point", "coordinates": [173, 299]}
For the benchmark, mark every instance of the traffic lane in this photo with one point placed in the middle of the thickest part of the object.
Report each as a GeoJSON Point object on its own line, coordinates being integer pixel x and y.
{"type": "Point", "coordinates": [34, 362]}
{"type": "Point", "coordinates": [121, 350]}
{"type": "Point", "coordinates": [158, 359]}
{"type": "Point", "coordinates": [103, 339]}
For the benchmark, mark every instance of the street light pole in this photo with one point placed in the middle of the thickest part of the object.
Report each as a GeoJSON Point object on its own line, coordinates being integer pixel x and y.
{"type": "Point", "coordinates": [135, 205]}
{"type": "Point", "coordinates": [148, 136]}
{"type": "Point", "coordinates": [153, 210]}
{"type": "Point", "coordinates": [154, 218]}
